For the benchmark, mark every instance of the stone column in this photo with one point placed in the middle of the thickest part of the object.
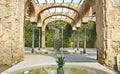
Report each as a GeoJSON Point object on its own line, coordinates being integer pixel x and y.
{"type": "Point", "coordinates": [73, 33]}
{"type": "Point", "coordinates": [62, 37]}
{"type": "Point", "coordinates": [108, 31]}
{"type": "Point", "coordinates": [33, 23]}
{"type": "Point", "coordinates": [11, 31]}
{"type": "Point", "coordinates": [84, 48]}
{"type": "Point", "coordinates": [39, 25]}
{"type": "Point", "coordinates": [43, 37]}
{"type": "Point", "coordinates": [39, 37]}
{"type": "Point", "coordinates": [78, 31]}
{"type": "Point", "coordinates": [78, 38]}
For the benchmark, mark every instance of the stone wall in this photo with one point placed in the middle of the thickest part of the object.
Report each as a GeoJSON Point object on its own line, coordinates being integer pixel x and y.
{"type": "Point", "coordinates": [11, 31]}
{"type": "Point", "coordinates": [108, 31]}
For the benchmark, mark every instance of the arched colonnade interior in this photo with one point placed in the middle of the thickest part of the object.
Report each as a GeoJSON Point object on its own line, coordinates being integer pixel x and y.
{"type": "Point", "coordinates": [74, 12]}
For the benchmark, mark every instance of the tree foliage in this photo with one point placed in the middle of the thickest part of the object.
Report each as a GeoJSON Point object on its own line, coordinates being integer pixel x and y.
{"type": "Point", "coordinates": [68, 35]}
{"type": "Point", "coordinates": [28, 34]}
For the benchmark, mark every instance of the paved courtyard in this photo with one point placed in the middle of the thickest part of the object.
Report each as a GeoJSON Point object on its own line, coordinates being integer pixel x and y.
{"type": "Point", "coordinates": [90, 56]}
{"type": "Point", "coordinates": [35, 60]}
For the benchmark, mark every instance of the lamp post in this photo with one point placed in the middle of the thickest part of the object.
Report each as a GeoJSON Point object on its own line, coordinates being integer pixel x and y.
{"type": "Point", "coordinates": [39, 37]}
{"type": "Point", "coordinates": [33, 23]}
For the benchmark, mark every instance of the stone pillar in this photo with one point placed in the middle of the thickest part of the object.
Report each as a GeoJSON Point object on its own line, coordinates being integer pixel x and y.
{"type": "Point", "coordinates": [43, 37]}
{"type": "Point", "coordinates": [33, 23]}
{"type": "Point", "coordinates": [78, 38]}
{"type": "Point", "coordinates": [62, 37]}
{"type": "Point", "coordinates": [108, 31]}
{"type": "Point", "coordinates": [11, 31]}
{"type": "Point", "coordinates": [84, 48]}
{"type": "Point", "coordinates": [39, 37]}
{"type": "Point", "coordinates": [84, 22]}
{"type": "Point", "coordinates": [78, 31]}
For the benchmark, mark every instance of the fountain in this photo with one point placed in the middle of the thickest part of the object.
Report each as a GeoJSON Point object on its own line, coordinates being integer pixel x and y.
{"type": "Point", "coordinates": [60, 62]}
{"type": "Point", "coordinates": [60, 59]}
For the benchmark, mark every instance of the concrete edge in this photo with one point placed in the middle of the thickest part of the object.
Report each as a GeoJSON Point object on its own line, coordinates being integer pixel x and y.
{"type": "Point", "coordinates": [29, 65]}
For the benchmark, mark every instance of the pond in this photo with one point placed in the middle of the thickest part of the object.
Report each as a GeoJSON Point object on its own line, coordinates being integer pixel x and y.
{"type": "Point", "coordinates": [69, 69]}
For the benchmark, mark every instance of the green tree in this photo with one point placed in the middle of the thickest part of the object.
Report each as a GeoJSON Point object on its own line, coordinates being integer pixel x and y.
{"type": "Point", "coordinates": [68, 34]}
{"type": "Point", "coordinates": [91, 35]}
{"type": "Point", "coordinates": [28, 34]}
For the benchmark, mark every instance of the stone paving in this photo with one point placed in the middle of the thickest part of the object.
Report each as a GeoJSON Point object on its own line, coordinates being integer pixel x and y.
{"type": "Point", "coordinates": [90, 55]}
{"type": "Point", "coordinates": [75, 58]}
{"type": "Point", "coordinates": [33, 60]}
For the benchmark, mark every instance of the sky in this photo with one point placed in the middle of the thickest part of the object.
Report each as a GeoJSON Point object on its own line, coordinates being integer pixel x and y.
{"type": "Point", "coordinates": [59, 1]}
{"type": "Point", "coordinates": [59, 9]}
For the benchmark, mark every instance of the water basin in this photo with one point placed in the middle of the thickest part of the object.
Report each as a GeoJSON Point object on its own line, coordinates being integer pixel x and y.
{"type": "Point", "coordinates": [69, 69]}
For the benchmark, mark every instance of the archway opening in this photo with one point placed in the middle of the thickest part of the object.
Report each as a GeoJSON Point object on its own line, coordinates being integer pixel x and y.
{"type": "Point", "coordinates": [67, 32]}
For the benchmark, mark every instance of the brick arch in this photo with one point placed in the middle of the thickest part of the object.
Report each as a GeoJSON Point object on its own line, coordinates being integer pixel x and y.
{"type": "Point", "coordinates": [73, 7]}
{"type": "Point", "coordinates": [91, 2]}
{"type": "Point", "coordinates": [65, 20]}
{"type": "Point", "coordinates": [51, 20]}
{"type": "Point", "coordinates": [58, 20]}
{"type": "Point", "coordinates": [55, 14]}
{"type": "Point", "coordinates": [29, 9]}
{"type": "Point", "coordinates": [87, 5]}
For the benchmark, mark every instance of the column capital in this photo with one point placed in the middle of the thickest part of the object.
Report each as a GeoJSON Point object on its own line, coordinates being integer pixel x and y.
{"type": "Point", "coordinates": [85, 20]}
{"type": "Point", "coordinates": [78, 23]}
{"type": "Point", "coordinates": [33, 19]}
{"type": "Point", "coordinates": [33, 23]}
{"type": "Point", "coordinates": [39, 24]}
